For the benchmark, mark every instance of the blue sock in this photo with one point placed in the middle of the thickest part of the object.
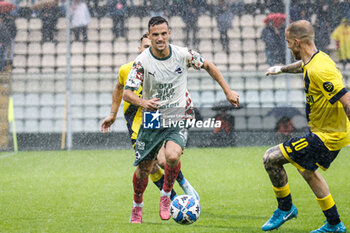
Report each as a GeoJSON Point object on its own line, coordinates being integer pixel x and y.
{"type": "Point", "coordinates": [180, 178]}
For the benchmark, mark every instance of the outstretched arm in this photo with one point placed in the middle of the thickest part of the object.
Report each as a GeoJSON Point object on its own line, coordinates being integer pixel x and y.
{"type": "Point", "coordinates": [295, 67]}
{"type": "Point", "coordinates": [116, 100]}
{"type": "Point", "coordinates": [130, 97]}
{"type": "Point", "coordinates": [345, 100]}
{"type": "Point", "coordinates": [231, 96]}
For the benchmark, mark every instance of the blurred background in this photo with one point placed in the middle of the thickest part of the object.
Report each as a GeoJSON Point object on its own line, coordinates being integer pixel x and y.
{"type": "Point", "coordinates": [53, 50]}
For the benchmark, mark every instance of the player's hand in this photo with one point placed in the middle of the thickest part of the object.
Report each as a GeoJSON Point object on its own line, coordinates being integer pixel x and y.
{"type": "Point", "coordinates": [106, 123]}
{"type": "Point", "coordinates": [150, 105]}
{"type": "Point", "coordinates": [274, 70]}
{"type": "Point", "coordinates": [233, 98]}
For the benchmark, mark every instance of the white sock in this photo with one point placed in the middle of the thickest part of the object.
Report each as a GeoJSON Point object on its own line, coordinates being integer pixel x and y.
{"type": "Point", "coordinates": [134, 204]}
{"type": "Point", "coordinates": [163, 193]}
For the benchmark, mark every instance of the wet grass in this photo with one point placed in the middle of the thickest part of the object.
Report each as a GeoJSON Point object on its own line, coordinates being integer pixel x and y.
{"type": "Point", "coordinates": [91, 191]}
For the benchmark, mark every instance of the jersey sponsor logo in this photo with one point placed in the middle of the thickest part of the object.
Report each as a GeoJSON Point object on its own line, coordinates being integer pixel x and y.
{"type": "Point", "coordinates": [151, 120]}
{"type": "Point", "coordinates": [152, 74]}
{"type": "Point", "coordinates": [328, 86]}
{"type": "Point", "coordinates": [179, 69]}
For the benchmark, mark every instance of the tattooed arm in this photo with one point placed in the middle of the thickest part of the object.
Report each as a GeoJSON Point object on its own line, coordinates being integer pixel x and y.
{"type": "Point", "coordinates": [295, 67]}
{"type": "Point", "coordinates": [345, 100]}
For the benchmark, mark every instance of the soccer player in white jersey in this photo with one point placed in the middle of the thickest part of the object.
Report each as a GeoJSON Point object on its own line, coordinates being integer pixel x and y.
{"type": "Point", "coordinates": [162, 72]}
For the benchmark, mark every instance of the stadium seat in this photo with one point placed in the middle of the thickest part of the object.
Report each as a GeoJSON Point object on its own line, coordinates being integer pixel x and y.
{"type": "Point", "coordinates": [35, 36]}
{"type": "Point", "coordinates": [77, 99]}
{"type": "Point", "coordinates": [18, 86]}
{"type": "Point", "coordinates": [90, 98]}
{"type": "Point", "coordinates": [21, 36]}
{"type": "Point", "coordinates": [259, 20]}
{"type": "Point", "coordinates": [35, 24]}
{"type": "Point", "coordinates": [93, 35]}
{"type": "Point", "coordinates": [94, 24]}
{"type": "Point", "coordinates": [240, 123]}
{"type": "Point", "coordinates": [59, 99]}
{"type": "Point", "coordinates": [61, 23]}
{"type": "Point", "coordinates": [204, 21]}
{"type": "Point", "coordinates": [220, 58]}
{"type": "Point", "coordinates": [269, 123]}
{"type": "Point", "coordinates": [193, 84]}
{"type": "Point", "coordinates": [106, 35]}
{"type": "Point", "coordinates": [105, 47]}
{"type": "Point", "coordinates": [176, 22]}
{"type": "Point", "coordinates": [235, 45]}
{"type": "Point", "coordinates": [20, 49]}
{"type": "Point", "coordinates": [90, 112]}
{"type": "Point", "coordinates": [120, 59]}
{"type": "Point", "coordinates": [91, 48]}
{"type": "Point", "coordinates": [91, 60]}
{"type": "Point", "coordinates": [237, 83]}
{"type": "Point", "coordinates": [58, 112]}
{"type": "Point", "coordinates": [280, 82]}
{"type": "Point", "coordinates": [31, 126]}
{"type": "Point", "coordinates": [254, 123]}
{"type": "Point", "coordinates": [34, 48]}
{"type": "Point", "coordinates": [252, 96]}
{"type": "Point", "coordinates": [252, 83]}
{"type": "Point", "coordinates": [247, 20]}
{"type": "Point", "coordinates": [249, 45]}
{"type": "Point", "coordinates": [49, 48]}
{"type": "Point", "coordinates": [18, 113]}
{"type": "Point", "coordinates": [134, 34]}
{"type": "Point", "coordinates": [299, 121]}
{"type": "Point", "coordinates": [46, 126]}
{"type": "Point", "coordinates": [249, 58]}
{"type": "Point", "coordinates": [46, 112]}
{"type": "Point", "coordinates": [234, 33]}
{"type": "Point", "coordinates": [220, 96]}
{"type": "Point", "coordinates": [205, 46]}
{"type": "Point", "coordinates": [296, 82]}
{"type": "Point", "coordinates": [77, 85]}
{"type": "Point", "coordinates": [91, 126]}
{"type": "Point", "coordinates": [297, 96]}
{"type": "Point", "coordinates": [204, 33]}
{"type": "Point", "coordinates": [47, 99]}
{"type": "Point", "coordinates": [266, 83]}
{"type": "Point", "coordinates": [61, 61]}
{"type": "Point", "coordinates": [120, 47]}
{"type": "Point", "coordinates": [31, 112]}
{"type": "Point", "coordinates": [77, 47]}
{"type": "Point", "coordinates": [195, 98]}
{"type": "Point", "coordinates": [34, 61]}
{"type": "Point", "coordinates": [77, 125]}
{"type": "Point", "coordinates": [48, 61]}
{"type": "Point", "coordinates": [267, 96]}
{"type": "Point", "coordinates": [104, 98]}
{"type": "Point", "coordinates": [248, 33]}
{"type": "Point", "coordinates": [207, 98]}
{"type": "Point", "coordinates": [19, 61]}
{"type": "Point", "coordinates": [18, 99]}
{"type": "Point", "coordinates": [235, 58]}
{"type": "Point", "coordinates": [77, 112]}
{"type": "Point", "coordinates": [133, 22]}
{"type": "Point", "coordinates": [103, 111]}
{"type": "Point", "coordinates": [281, 96]}
{"type": "Point", "coordinates": [21, 23]}
{"type": "Point", "coordinates": [90, 85]}
{"type": "Point", "coordinates": [105, 60]}
{"type": "Point", "coordinates": [207, 83]}
{"type": "Point", "coordinates": [77, 61]}
{"type": "Point", "coordinates": [106, 23]}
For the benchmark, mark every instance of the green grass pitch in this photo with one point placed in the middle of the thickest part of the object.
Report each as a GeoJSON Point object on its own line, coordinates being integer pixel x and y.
{"type": "Point", "coordinates": [91, 191]}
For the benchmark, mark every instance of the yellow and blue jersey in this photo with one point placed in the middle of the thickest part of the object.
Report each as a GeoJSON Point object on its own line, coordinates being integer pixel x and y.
{"type": "Point", "coordinates": [326, 116]}
{"type": "Point", "coordinates": [132, 113]}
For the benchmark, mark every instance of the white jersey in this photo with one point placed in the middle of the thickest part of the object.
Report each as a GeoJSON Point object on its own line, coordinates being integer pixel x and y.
{"type": "Point", "coordinates": [165, 78]}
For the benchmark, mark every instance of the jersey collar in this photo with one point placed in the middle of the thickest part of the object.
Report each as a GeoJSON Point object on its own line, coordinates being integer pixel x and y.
{"type": "Point", "coordinates": [162, 59]}
{"type": "Point", "coordinates": [311, 58]}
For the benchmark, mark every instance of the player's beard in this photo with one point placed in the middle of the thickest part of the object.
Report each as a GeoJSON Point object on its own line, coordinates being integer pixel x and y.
{"type": "Point", "coordinates": [296, 55]}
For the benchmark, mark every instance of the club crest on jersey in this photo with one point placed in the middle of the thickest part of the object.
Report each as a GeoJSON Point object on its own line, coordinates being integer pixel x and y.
{"type": "Point", "coordinates": [179, 69]}
{"type": "Point", "coordinates": [328, 86]}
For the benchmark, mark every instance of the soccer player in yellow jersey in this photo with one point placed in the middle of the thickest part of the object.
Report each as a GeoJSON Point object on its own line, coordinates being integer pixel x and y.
{"type": "Point", "coordinates": [327, 112]}
{"type": "Point", "coordinates": [133, 117]}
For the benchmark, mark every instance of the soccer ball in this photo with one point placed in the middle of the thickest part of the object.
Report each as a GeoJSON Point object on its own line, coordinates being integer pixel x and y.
{"type": "Point", "coordinates": [185, 209]}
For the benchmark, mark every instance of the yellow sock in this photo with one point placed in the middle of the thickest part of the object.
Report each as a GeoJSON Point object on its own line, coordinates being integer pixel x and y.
{"type": "Point", "coordinates": [157, 175]}
{"type": "Point", "coordinates": [282, 191]}
{"type": "Point", "coordinates": [326, 202]}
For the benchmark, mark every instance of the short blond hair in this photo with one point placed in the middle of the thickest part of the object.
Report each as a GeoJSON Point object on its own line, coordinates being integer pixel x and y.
{"type": "Point", "coordinates": [302, 30]}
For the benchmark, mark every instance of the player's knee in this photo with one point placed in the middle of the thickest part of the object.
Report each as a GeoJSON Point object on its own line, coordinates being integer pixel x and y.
{"type": "Point", "coordinates": [145, 167]}
{"type": "Point", "coordinates": [172, 157]}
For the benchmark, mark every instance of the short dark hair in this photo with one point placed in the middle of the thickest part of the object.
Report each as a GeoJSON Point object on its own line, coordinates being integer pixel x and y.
{"type": "Point", "coordinates": [143, 37]}
{"type": "Point", "coordinates": [156, 21]}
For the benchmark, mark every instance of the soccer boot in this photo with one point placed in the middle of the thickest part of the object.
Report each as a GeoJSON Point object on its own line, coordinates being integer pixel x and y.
{"type": "Point", "coordinates": [164, 211]}
{"type": "Point", "coordinates": [279, 217]}
{"type": "Point", "coordinates": [188, 189]}
{"type": "Point", "coordinates": [136, 215]}
{"type": "Point", "coordinates": [340, 227]}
